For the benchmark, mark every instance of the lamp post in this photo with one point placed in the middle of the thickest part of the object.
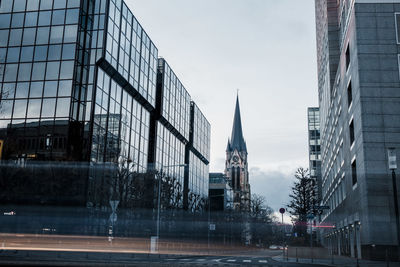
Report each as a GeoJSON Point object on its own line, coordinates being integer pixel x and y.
{"type": "Point", "coordinates": [160, 174]}
{"type": "Point", "coordinates": [392, 160]}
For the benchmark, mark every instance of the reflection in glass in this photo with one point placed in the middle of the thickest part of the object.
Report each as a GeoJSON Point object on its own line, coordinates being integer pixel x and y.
{"type": "Point", "coordinates": [63, 107]}
{"type": "Point", "coordinates": [44, 18]}
{"type": "Point", "coordinates": [36, 89]}
{"type": "Point", "coordinates": [6, 108]}
{"type": "Point", "coordinates": [38, 71]}
{"type": "Point", "coordinates": [31, 19]}
{"type": "Point", "coordinates": [17, 20]}
{"type": "Point", "coordinates": [58, 16]}
{"type": "Point", "coordinates": [42, 35]}
{"type": "Point", "coordinates": [32, 5]}
{"type": "Point", "coordinates": [72, 16]}
{"type": "Point", "coordinates": [56, 34]}
{"type": "Point", "coordinates": [70, 33]}
{"type": "Point", "coordinates": [34, 108]}
{"type": "Point", "coordinates": [10, 72]}
{"type": "Point", "coordinates": [24, 73]}
{"type": "Point", "coordinates": [40, 53]}
{"type": "Point", "coordinates": [65, 88]}
{"type": "Point", "coordinates": [50, 89]}
{"type": "Point", "coordinates": [67, 69]}
{"type": "Point", "coordinates": [3, 37]}
{"type": "Point", "coordinates": [8, 90]}
{"type": "Point", "coordinates": [5, 20]}
{"type": "Point", "coordinates": [68, 51]}
{"type": "Point", "coordinates": [15, 37]}
{"type": "Point", "coordinates": [22, 90]}
{"type": "Point", "coordinates": [52, 70]}
{"type": "Point", "coordinates": [13, 55]}
{"type": "Point", "coordinates": [20, 108]}
{"type": "Point", "coordinates": [27, 54]}
{"type": "Point", "coordinates": [54, 52]}
{"type": "Point", "coordinates": [48, 107]}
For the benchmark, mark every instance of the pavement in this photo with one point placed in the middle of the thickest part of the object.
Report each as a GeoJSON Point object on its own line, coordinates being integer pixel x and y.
{"type": "Point", "coordinates": [337, 261]}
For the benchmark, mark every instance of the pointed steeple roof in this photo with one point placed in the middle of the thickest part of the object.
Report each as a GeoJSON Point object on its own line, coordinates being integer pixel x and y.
{"type": "Point", "coordinates": [237, 140]}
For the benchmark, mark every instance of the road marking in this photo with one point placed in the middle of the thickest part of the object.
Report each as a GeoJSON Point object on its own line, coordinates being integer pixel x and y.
{"type": "Point", "coordinates": [262, 261]}
{"type": "Point", "coordinates": [185, 259]}
{"type": "Point", "coordinates": [246, 260]}
{"type": "Point", "coordinates": [231, 260]}
{"type": "Point", "coordinates": [201, 259]}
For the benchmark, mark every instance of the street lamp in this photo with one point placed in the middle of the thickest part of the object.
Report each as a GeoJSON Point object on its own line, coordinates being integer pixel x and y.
{"type": "Point", "coordinates": [392, 160]}
{"type": "Point", "coordinates": [160, 173]}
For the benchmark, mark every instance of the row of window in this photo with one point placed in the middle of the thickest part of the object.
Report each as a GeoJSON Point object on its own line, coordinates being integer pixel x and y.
{"type": "Point", "coordinates": [52, 70]}
{"type": "Point", "coordinates": [41, 18]}
{"type": "Point", "coordinates": [38, 36]}
{"type": "Point", "coordinates": [32, 5]}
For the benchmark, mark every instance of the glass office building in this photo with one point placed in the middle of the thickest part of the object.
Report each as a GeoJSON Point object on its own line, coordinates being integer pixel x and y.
{"type": "Point", "coordinates": [176, 126]}
{"type": "Point", "coordinates": [79, 83]}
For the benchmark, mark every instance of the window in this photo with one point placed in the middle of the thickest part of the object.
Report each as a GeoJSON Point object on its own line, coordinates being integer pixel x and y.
{"type": "Point", "coordinates": [29, 36]}
{"type": "Point", "coordinates": [58, 17]}
{"type": "Point", "coordinates": [15, 37]}
{"type": "Point", "coordinates": [17, 20]}
{"type": "Point", "coordinates": [54, 52]}
{"type": "Point", "coordinates": [44, 18]}
{"type": "Point", "coordinates": [31, 19]}
{"type": "Point", "coordinates": [351, 130]}
{"type": "Point", "coordinates": [42, 35]}
{"type": "Point", "coordinates": [36, 89]}
{"type": "Point", "coordinates": [348, 56]}
{"type": "Point", "coordinates": [349, 94]}
{"type": "Point", "coordinates": [41, 53]}
{"type": "Point", "coordinates": [22, 90]}
{"type": "Point", "coordinates": [354, 172]}
{"type": "Point", "coordinates": [397, 18]}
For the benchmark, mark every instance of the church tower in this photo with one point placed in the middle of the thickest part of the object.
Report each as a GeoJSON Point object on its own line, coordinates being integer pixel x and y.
{"type": "Point", "coordinates": [236, 166]}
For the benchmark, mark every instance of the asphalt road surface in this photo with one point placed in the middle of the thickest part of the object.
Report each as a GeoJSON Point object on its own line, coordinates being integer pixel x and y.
{"type": "Point", "coordinates": [60, 250]}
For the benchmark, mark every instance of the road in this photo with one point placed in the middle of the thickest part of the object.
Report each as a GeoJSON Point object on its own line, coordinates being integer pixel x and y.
{"type": "Point", "coordinates": [60, 250]}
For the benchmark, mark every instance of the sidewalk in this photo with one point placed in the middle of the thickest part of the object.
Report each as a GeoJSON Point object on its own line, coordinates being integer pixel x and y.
{"type": "Point", "coordinates": [338, 261]}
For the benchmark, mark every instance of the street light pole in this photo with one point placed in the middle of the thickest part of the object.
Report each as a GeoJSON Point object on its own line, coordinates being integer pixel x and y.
{"type": "Point", "coordinates": [393, 166]}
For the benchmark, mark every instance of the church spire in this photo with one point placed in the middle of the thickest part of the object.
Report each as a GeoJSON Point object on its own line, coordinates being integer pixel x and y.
{"type": "Point", "coordinates": [237, 140]}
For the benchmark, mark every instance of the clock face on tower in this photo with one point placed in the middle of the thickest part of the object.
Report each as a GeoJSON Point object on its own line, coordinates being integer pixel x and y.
{"type": "Point", "coordinates": [235, 158]}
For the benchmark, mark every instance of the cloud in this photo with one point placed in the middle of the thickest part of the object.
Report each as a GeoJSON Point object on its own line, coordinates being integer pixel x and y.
{"type": "Point", "coordinates": [273, 185]}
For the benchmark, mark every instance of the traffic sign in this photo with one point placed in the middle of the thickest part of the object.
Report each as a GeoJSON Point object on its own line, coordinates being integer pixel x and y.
{"type": "Point", "coordinates": [113, 217]}
{"type": "Point", "coordinates": [114, 204]}
{"type": "Point", "coordinates": [282, 210]}
{"type": "Point", "coordinates": [212, 227]}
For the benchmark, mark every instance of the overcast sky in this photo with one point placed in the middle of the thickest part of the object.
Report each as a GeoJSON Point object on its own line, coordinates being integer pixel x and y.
{"type": "Point", "coordinates": [264, 48]}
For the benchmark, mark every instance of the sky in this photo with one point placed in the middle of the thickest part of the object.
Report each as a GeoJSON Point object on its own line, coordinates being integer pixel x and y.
{"type": "Point", "coordinates": [264, 48]}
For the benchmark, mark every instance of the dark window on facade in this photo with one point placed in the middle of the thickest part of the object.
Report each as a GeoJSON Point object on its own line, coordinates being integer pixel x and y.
{"type": "Point", "coordinates": [398, 28]}
{"type": "Point", "coordinates": [354, 172]}
{"type": "Point", "coordinates": [347, 56]}
{"type": "Point", "coordinates": [349, 94]}
{"type": "Point", "coordinates": [351, 130]}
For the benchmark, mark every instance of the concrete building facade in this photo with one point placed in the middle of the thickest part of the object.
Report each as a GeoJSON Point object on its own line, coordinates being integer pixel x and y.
{"type": "Point", "coordinates": [359, 100]}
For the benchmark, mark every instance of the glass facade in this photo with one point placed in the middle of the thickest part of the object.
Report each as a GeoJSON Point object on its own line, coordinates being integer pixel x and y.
{"type": "Point", "coordinates": [201, 133]}
{"type": "Point", "coordinates": [130, 51]}
{"type": "Point", "coordinates": [198, 179]}
{"type": "Point", "coordinates": [79, 83]}
{"type": "Point", "coordinates": [41, 65]}
{"type": "Point", "coordinates": [121, 125]}
{"type": "Point", "coordinates": [175, 100]}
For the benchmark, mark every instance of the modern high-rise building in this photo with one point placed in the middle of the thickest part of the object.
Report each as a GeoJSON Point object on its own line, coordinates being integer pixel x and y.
{"type": "Point", "coordinates": [314, 147]}
{"type": "Point", "coordinates": [81, 82]}
{"type": "Point", "coordinates": [236, 165]}
{"type": "Point", "coordinates": [359, 100]}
